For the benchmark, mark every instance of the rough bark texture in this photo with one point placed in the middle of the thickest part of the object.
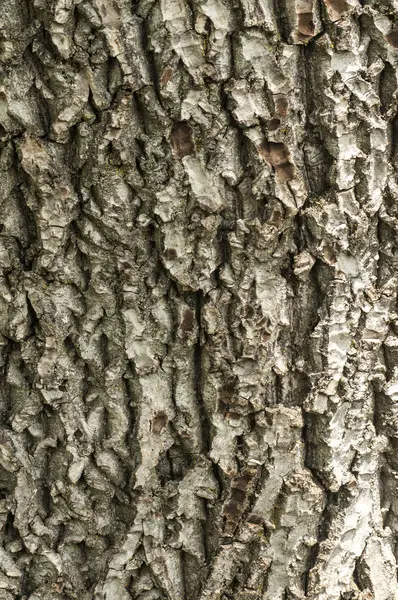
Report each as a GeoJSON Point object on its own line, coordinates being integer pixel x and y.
{"type": "Point", "coordinates": [199, 336]}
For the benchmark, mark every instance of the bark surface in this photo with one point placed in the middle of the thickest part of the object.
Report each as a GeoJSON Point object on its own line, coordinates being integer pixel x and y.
{"type": "Point", "coordinates": [198, 312]}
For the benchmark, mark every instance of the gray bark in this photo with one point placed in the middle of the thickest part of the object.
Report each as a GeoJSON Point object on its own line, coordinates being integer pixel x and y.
{"type": "Point", "coordinates": [198, 313]}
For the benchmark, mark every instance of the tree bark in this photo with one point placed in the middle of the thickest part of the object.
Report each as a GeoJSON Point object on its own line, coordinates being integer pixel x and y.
{"type": "Point", "coordinates": [198, 312]}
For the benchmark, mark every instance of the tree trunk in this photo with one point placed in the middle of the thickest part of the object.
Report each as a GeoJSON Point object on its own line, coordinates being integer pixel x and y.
{"type": "Point", "coordinates": [199, 329]}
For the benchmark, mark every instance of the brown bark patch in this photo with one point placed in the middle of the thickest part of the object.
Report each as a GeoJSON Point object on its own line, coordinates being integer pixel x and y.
{"type": "Point", "coordinates": [242, 483]}
{"type": "Point", "coordinates": [281, 106]}
{"type": "Point", "coordinates": [232, 510]}
{"type": "Point", "coordinates": [170, 254]}
{"type": "Point", "coordinates": [306, 25]}
{"type": "Point", "coordinates": [226, 397]}
{"type": "Point", "coordinates": [232, 416]}
{"type": "Point", "coordinates": [285, 172]}
{"type": "Point", "coordinates": [392, 38]}
{"type": "Point", "coordinates": [339, 7]}
{"type": "Point", "coordinates": [275, 153]}
{"type": "Point", "coordinates": [188, 320]}
{"type": "Point", "coordinates": [159, 422]}
{"type": "Point", "coordinates": [255, 519]}
{"type": "Point", "coordinates": [167, 76]}
{"type": "Point", "coordinates": [238, 496]}
{"type": "Point", "coordinates": [181, 140]}
{"type": "Point", "coordinates": [249, 311]}
{"type": "Point", "coordinates": [273, 124]}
